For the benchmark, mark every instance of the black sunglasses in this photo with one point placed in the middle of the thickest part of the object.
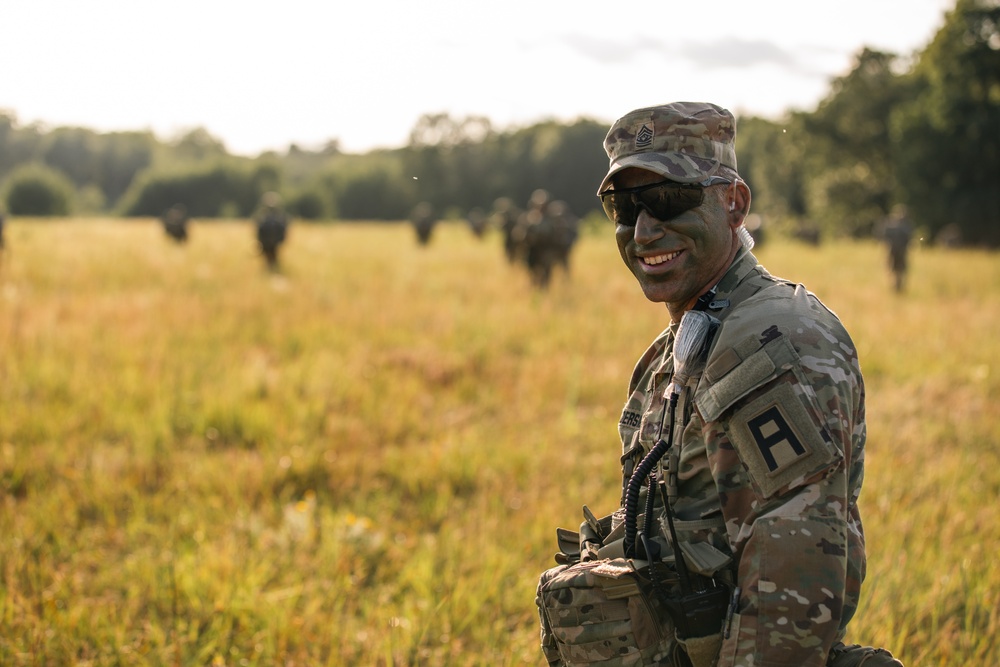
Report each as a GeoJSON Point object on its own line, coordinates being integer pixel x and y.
{"type": "Point", "coordinates": [664, 200]}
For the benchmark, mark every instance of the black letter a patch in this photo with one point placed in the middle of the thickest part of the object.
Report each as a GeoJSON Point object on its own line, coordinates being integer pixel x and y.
{"type": "Point", "coordinates": [780, 443]}
{"type": "Point", "coordinates": [775, 439]}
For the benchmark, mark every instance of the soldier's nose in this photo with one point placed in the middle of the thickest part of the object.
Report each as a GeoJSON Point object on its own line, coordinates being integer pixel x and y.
{"type": "Point", "coordinates": [646, 226]}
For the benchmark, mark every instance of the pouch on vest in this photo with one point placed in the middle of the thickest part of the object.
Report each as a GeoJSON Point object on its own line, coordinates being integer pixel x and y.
{"type": "Point", "coordinates": [602, 612]}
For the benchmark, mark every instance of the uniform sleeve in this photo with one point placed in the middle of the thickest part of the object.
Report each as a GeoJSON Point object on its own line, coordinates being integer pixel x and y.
{"type": "Point", "coordinates": [783, 418]}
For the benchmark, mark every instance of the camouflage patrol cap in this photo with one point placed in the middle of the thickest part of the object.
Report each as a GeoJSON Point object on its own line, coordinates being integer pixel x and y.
{"type": "Point", "coordinates": [684, 141]}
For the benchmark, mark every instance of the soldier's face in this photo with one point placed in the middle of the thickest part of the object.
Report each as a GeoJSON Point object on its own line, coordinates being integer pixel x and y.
{"type": "Point", "coordinates": [676, 260]}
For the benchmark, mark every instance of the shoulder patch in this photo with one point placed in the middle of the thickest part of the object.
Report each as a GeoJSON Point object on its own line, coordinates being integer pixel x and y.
{"type": "Point", "coordinates": [780, 443]}
{"type": "Point", "coordinates": [753, 372]}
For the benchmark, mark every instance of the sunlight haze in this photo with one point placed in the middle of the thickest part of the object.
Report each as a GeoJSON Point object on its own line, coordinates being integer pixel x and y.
{"type": "Point", "coordinates": [260, 76]}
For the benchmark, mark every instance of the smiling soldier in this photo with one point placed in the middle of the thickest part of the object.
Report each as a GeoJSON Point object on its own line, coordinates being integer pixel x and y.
{"type": "Point", "coordinates": [738, 540]}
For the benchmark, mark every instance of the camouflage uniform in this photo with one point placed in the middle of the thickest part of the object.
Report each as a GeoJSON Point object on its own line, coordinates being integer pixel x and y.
{"type": "Point", "coordinates": [764, 469]}
{"type": "Point", "coordinates": [504, 218]}
{"type": "Point", "coordinates": [272, 227]}
{"type": "Point", "coordinates": [897, 234]}
{"type": "Point", "coordinates": [175, 221]}
{"type": "Point", "coordinates": [543, 237]}
{"type": "Point", "coordinates": [423, 220]}
{"type": "Point", "coordinates": [477, 221]}
{"type": "Point", "coordinates": [771, 434]}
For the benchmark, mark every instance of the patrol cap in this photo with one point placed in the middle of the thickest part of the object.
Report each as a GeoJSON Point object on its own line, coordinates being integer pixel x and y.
{"type": "Point", "coordinates": [683, 141]}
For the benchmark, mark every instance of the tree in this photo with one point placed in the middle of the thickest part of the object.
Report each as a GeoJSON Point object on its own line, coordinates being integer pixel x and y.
{"type": "Point", "coordinates": [772, 158]}
{"type": "Point", "coordinates": [948, 137]}
{"type": "Point", "coordinates": [569, 162]}
{"type": "Point", "coordinates": [121, 157]}
{"type": "Point", "coordinates": [308, 205]}
{"type": "Point", "coordinates": [375, 192]}
{"type": "Point", "coordinates": [198, 145]}
{"type": "Point", "coordinates": [38, 190]}
{"type": "Point", "coordinates": [851, 147]}
{"type": "Point", "coordinates": [446, 158]}
{"type": "Point", "coordinates": [73, 151]}
{"type": "Point", "coordinates": [440, 129]}
{"type": "Point", "coordinates": [223, 188]}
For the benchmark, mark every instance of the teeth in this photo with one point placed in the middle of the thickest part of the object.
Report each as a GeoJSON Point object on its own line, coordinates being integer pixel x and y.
{"type": "Point", "coordinates": [660, 259]}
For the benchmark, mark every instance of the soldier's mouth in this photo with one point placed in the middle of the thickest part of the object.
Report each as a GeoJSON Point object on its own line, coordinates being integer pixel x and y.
{"type": "Point", "coordinates": [659, 259]}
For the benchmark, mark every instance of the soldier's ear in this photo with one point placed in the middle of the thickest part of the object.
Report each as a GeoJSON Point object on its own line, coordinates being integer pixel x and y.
{"type": "Point", "coordinates": [739, 200]}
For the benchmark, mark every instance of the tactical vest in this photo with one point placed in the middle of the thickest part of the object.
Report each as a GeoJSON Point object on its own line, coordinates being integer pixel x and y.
{"type": "Point", "coordinates": [601, 606]}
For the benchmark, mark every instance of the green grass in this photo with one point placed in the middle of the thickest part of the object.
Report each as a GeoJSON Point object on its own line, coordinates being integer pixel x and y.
{"type": "Point", "coordinates": [362, 460]}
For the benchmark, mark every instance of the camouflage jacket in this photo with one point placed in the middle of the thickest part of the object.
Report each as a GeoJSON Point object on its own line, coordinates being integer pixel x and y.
{"type": "Point", "coordinates": [770, 431]}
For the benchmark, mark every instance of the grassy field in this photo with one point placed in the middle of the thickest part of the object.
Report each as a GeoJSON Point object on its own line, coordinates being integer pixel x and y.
{"type": "Point", "coordinates": [362, 460]}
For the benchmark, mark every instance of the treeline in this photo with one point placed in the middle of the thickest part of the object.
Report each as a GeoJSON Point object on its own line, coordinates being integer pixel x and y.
{"type": "Point", "coordinates": [920, 130]}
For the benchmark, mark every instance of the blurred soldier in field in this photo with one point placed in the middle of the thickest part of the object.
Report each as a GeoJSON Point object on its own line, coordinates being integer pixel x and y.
{"type": "Point", "coordinates": [175, 221]}
{"type": "Point", "coordinates": [950, 236]}
{"type": "Point", "coordinates": [477, 222]}
{"type": "Point", "coordinates": [808, 232]}
{"type": "Point", "coordinates": [504, 219]}
{"type": "Point", "coordinates": [423, 220]}
{"type": "Point", "coordinates": [272, 227]}
{"type": "Point", "coordinates": [567, 228]}
{"type": "Point", "coordinates": [537, 239]}
{"type": "Point", "coordinates": [897, 234]}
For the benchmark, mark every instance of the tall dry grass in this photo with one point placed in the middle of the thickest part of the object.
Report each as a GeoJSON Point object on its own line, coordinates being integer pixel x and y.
{"type": "Point", "coordinates": [361, 460]}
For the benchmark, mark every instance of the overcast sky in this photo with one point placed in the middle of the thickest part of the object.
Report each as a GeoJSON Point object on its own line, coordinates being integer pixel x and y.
{"type": "Point", "coordinates": [262, 75]}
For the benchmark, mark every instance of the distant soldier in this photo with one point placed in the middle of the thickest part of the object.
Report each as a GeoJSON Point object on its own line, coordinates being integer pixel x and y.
{"type": "Point", "coordinates": [175, 222]}
{"type": "Point", "coordinates": [897, 234]}
{"type": "Point", "coordinates": [808, 232]}
{"type": "Point", "coordinates": [477, 222]}
{"type": "Point", "coordinates": [537, 236]}
{"type": "Point", "coordinates": [272, 227]}
{"type": "Point", "coordinates": [567, 230]}
{"type": "Point", "coordinates": [950, 236]}
{"type": "Point", "coordinates": [423, 220]}
{"type": "Point", "coordinates": [504, 219]}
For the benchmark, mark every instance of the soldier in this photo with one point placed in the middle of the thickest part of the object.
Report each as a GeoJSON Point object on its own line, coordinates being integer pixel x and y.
{"type": "Point", "coordinates": [272, 227]}
{"type": "Point", "coordinates": [949, 236]}
{"type": "Point", "coordinates": [808, 232]}
{"type": "Point", "coordinates": [897, 234]}
{"type": "Point", "coordinates": [567, 228]}
{"type": "Point", "coordinates": [504, 218]}
{"type": "Point", "coordinates": [423, 220]}
{"type": "Point", "coordinates": [537, 239]}
{"type": "Point", "coordinates": [738, 540]}
{"type": "Point", "coordinates": [175, 222]}
{"type": "Point", "coordinates": [477, 221]}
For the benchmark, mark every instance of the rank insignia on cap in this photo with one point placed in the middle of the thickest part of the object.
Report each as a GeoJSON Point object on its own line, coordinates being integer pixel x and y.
{"type": "Point", "coordinates": [644, 137]}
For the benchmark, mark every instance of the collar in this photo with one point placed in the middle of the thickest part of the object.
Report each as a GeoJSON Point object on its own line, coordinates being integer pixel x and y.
{"type": "Point", "coordinates": [716, 299]}
{"type": "Point", "coordinates": [743, 264]}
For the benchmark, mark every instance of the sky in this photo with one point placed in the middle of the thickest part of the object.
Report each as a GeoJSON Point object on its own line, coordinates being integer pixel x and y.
{"type": "Point", "coordinates": [262, 75]}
